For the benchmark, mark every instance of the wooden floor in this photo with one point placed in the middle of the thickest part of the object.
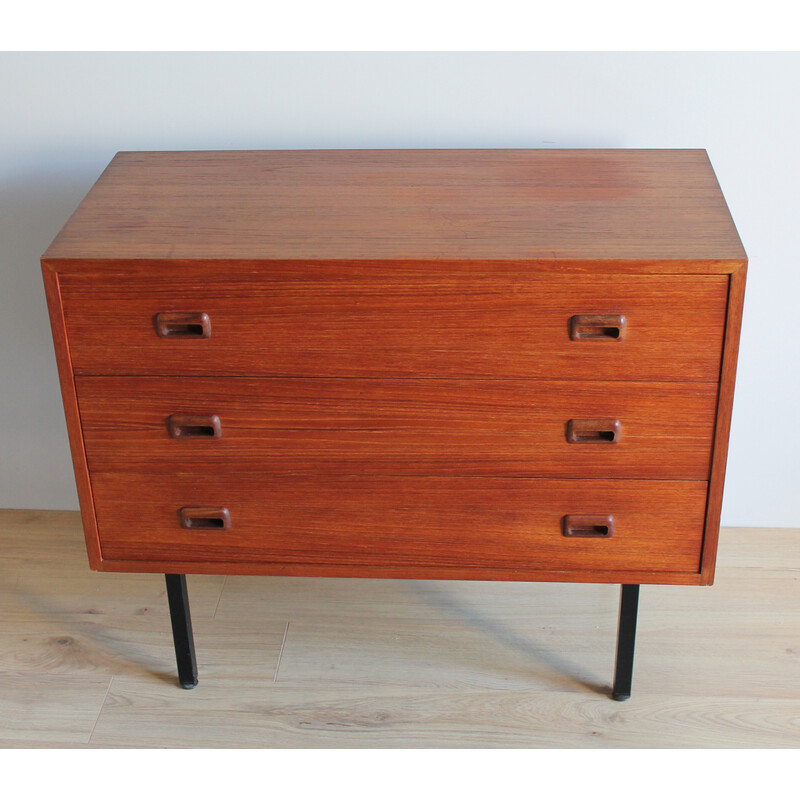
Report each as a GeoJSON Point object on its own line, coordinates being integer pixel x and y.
{"type": "Point", "coordinates": [86, 659]}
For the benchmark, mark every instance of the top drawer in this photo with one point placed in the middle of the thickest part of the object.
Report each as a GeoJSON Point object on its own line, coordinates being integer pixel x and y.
{"type": "Point", "coordinates": [381, 321]}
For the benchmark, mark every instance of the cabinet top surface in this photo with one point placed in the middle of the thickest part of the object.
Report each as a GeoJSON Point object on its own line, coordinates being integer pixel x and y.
{"type": "Point", "coordinates": [464, 205]}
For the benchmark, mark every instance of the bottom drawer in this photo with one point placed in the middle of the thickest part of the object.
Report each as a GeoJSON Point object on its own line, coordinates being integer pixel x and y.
{"type": "Point", "coordinates": [431, 527]}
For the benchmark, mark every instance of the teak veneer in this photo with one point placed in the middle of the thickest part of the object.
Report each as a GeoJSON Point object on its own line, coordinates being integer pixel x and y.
{"type": "Point", "coordinates": [482, 364]}
{"type": "Point", "coordinates": [399, 427]}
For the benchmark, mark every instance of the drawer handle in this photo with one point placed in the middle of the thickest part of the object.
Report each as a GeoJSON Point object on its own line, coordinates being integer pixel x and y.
{"type": "Point", "coordinates": [603, 327]}
{"type": "Point", "coordinates": [183, 325]}
{"type": "Point", "coordinates": [590, 431]}
{"type": "Point", "coordinates": [192, 426]}
{"type": "Point", "coordinates": [594, 525]}
{"type": "Point", "coordinates": [205, 518]}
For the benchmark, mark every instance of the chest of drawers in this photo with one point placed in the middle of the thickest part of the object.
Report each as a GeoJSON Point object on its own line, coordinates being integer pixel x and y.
{"type": "Point", "coordinates": [492, 365]}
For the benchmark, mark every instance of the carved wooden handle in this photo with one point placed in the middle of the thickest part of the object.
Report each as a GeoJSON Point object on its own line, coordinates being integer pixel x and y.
{"type": "Point", "coordinates": [183, 325]}
{"type": "Point", "coordinates": [592, 431]}
{"type": "Point", "coordinates": [603, 327]}
{"type": "Point", "coordinates": [594, 525]}
{"type": "Point", "coordinates": [205, 518]}
{"type": "Point", "coordinates": [194, 426]}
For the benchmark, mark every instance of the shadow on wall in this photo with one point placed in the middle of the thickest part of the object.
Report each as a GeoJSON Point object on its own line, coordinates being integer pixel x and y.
{"type": "Point", "coordinates": [35, 466]}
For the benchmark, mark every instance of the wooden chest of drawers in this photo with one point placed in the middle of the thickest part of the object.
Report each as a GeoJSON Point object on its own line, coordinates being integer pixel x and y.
{"type": "Point", "coordinates": [506, 365]}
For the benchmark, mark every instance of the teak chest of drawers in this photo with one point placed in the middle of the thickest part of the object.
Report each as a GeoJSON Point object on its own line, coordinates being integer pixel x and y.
{"type": "Point", "coordinates": [488, 364]}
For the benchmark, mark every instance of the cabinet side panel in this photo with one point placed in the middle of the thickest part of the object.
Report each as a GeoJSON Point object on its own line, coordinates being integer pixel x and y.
{"type": "Point", "coordinates": [719, 459]}
{"type": "Point", "coordinates": [72, 414]}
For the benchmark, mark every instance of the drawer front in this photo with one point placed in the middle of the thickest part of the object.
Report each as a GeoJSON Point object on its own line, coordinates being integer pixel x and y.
{"type": "Point", "coordinates": [473, 523]}
{"type": "Point", "coordinates": [375, 321]}
{"type": "Point", "coordinates": [398, 427]}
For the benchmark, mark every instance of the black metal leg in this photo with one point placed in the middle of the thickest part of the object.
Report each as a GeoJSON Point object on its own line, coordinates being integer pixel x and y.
{"type": "Point", "coordinates": [626, 639]}
{"type": "Point", "coordinates": [182, 630]}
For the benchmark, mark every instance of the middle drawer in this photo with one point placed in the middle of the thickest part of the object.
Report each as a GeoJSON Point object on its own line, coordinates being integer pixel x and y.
{"type": "Point", "coordinates": [399, 426]}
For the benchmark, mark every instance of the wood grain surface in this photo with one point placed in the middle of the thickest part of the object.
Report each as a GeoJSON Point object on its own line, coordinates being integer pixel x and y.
{"type": "Point", "coordinates": [398, 427]}
{"type": "Point", "coordinates": [644, 205]}
{"type": "Point", "coordinates": [415, 314]}
{"type": "Point", "coordinates": [354, 321]}
{"type": "Point", "coordinates": [72, 414]}
{"type": "Point", "coordinates": [462, 524]}
{"type": "Point", "coordinates": [733, 327]}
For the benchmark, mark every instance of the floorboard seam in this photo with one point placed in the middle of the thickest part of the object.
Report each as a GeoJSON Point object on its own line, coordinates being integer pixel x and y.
{"type": "Point", "coordinates": [102, 706]}
{"type": "Point", "coordinates": [219, 599]}
{"type": "Point", "coordinates": [280, 653]}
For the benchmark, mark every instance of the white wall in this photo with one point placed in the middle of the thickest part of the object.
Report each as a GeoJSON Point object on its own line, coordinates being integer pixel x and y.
{"type": "Point", "coordinates": [65, 115]}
